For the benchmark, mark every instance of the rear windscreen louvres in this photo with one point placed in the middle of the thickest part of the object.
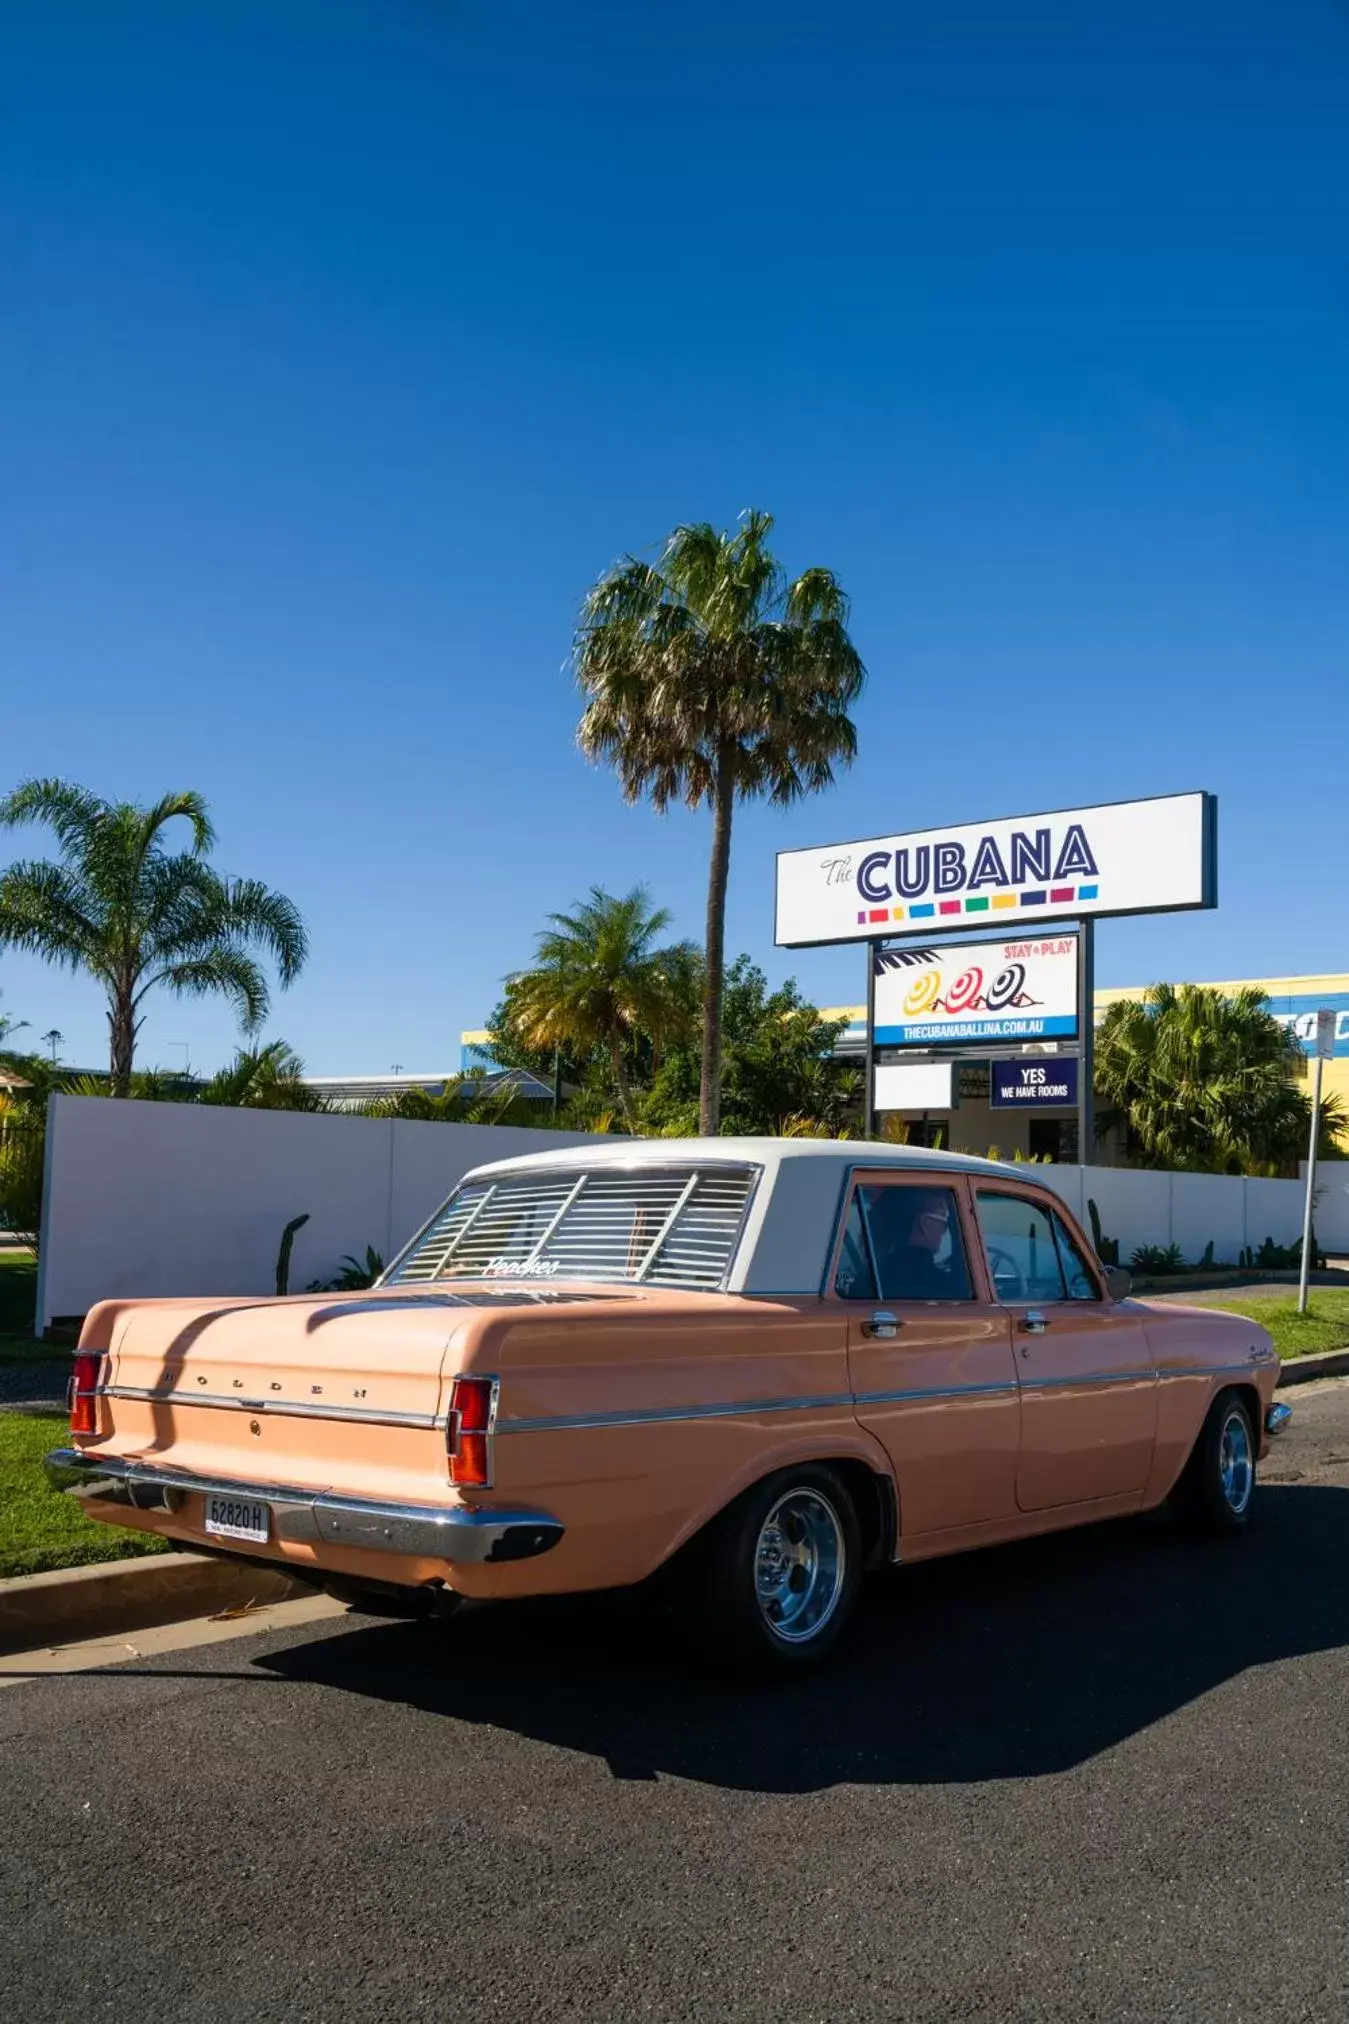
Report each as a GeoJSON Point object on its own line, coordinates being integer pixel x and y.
{"type": "Point", "coordinates": [661, 1226]}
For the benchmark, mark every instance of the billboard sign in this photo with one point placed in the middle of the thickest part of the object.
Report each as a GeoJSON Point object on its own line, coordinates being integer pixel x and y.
{"type": "Point", "coordinates": [1034, 1085]}
{"type": "Point", "coordinates": [1123, 857]}
{"type": "Point", "coordinates": [968, 994]}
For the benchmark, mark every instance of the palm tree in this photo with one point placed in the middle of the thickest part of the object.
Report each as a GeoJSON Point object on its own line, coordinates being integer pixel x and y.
{"type": "Point", "coordinates": [1206, 1082]}
{"type": "Point", "coordinates": [52, 1038]}
{"type": "Point", "coordinates": [120, 905]}
{"type": "Point", "coordinates": [711, 678]}
{"type": "Point", "coordinates": [599, 981]}
{"type": "Point", "coordinates": [269, 1077]}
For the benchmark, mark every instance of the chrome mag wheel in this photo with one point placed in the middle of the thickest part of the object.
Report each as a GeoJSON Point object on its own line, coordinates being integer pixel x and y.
{"type": "Point", "coordinates": [1236, 1463]}
{"type": "Point", "coordinates": [800, 1561]}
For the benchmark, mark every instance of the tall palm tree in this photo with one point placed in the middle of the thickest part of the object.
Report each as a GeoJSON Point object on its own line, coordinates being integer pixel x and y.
{"type": "Point", "coordinates": [118, 904]}
{"type": "Point", "coordinates": [712, 678]}
{"type": "Point", "coordinates": [600, 981]}
{"type": "Point", "coordinates": [1206, 1082]}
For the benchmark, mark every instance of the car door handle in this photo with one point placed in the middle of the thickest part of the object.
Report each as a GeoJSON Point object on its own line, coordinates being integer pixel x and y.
{"type": "Point", "coordinates": [1033, 1322]}
{"type": "Point", "coordinates": [883, 1325]}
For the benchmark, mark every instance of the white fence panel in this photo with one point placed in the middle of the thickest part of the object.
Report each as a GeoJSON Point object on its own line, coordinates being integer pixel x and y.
{"type": "Point", "coordinates": [1207, 1209]}
{"type": "Point", "coordinates": [1332, 1206]}
{"type": "Point", "coordinates": [149, 1199]}
{"type": "Point", "coordinates": [1135, 1208]}
{"type": "Point", "coordinates": [1274, 1209]}
{"type": "Point", "coordinates": [1069, 1185]}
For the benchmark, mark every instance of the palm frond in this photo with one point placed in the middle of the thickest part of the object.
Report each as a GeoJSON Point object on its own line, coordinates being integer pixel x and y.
{"type": "Point", "coordinates": [225, 972]}
{"type": "Point", "coordinates": [43, 912]}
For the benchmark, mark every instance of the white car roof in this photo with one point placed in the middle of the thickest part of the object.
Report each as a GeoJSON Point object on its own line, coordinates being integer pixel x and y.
{"type": "Point", "coordinates": [763, 1152]}
{"type": "Point", "coordinates": [784, 1247]}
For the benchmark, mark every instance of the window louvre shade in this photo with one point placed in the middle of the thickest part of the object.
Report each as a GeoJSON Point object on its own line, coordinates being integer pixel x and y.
{"type": "Point", "coordinates": [663, 1226]}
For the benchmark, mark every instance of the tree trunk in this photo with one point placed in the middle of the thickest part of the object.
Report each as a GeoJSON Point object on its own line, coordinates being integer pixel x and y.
{"type": "Point", "coordinates": [122, 1028]}
{"type": "Point", "coordinates": [621, 1083]}
{"type": "Point", "coordinates": [723, 807]}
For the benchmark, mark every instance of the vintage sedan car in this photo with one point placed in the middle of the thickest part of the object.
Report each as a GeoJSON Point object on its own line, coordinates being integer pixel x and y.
{"type": "Point", "coordinates": [751, 1367]}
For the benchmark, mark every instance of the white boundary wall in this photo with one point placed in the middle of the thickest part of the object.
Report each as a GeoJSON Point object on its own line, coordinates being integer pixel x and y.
{"type": "Point", "coordinates": [145, 1199]}
{"type": "Point", "coordinates": [1193, 1210]}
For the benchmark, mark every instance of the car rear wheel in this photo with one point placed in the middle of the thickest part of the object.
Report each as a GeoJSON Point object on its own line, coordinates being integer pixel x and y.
{"type": "Point", "coordinates": [1218, 1487]}
{"type": "Point", "coordinates": [771, 1583]}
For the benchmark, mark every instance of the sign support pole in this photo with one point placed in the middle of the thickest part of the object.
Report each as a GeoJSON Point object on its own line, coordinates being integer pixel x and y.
{"type": "Point", "coordinates": [1325, 1045]}
{"type": "Point", "coordinates": [870, 1072]}
{"type": "Point", "coordinates": [1086, 1028]}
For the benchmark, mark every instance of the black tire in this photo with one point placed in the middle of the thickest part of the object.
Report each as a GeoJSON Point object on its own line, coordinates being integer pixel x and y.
{"type": "Point", "coordinates": [1216, 1493]}
{"type": "Point", "coordinates": [716, 1585]}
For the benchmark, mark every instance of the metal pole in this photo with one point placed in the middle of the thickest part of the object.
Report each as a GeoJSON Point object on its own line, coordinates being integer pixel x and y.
{"type": "Point", "coordinates": [1086, 1032]}
{"type": "Point", "coordinates": [870, 1074]}
{"type": "Point", "coordinates": [1311, 1188]}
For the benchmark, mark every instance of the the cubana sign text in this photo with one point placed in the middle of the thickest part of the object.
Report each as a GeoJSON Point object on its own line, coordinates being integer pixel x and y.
{"type": "Point", "coordinates": [967, 993]}
{"type": "Point", "coordinates": [1125, 857]}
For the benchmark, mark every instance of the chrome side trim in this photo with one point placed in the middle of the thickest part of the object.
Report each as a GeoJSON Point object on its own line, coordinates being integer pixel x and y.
{"type": "Point", "coordinates": [661, 1415]}
{"type": "Point", "coordinates": [936, 1391]}
{"type": "Point", "coordinates": [916, 1394]}
{"type": "Point", "coordinates": [293, 1409]}
{"type": "Point", "coordinates": [1144, 1375]}
{"type": "Point", "coordinates": [319, 1517]}
{"type": "Point", "coordinates": [1209, 1370]}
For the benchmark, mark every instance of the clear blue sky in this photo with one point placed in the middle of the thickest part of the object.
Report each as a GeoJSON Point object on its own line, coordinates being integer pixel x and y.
{"type": "Point", "coordinates": [343, 344]}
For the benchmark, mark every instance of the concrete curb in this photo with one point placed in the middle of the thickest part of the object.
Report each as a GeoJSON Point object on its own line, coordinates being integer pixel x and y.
{"type": "Point", "coordinates": [1302, 1369]}
{"type": "Point", "coordinates": [122, 1595]}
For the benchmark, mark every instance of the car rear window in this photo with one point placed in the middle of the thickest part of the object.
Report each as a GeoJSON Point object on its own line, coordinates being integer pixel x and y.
{"type": "Point", "coordinates": [672, 1226]}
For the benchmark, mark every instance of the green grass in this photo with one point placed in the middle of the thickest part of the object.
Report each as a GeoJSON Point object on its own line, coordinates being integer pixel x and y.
{"type": "Point", "coordinates": [18, 1300]}
{"type": "Point", "coordinates": [1325, 1325]}
{"type": "Point", "coordinates": [40, 1527]}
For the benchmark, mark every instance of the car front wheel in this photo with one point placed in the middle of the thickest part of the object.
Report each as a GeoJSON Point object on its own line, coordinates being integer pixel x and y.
{"type": "Point", "coordinates": [771, 1583]}
{"type": "Point", "coordinates": [1218, 1486]}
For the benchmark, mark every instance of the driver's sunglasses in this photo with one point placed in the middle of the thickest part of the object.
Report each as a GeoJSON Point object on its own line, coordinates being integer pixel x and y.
{"type": "Point", "coordinates": [941, 1217]}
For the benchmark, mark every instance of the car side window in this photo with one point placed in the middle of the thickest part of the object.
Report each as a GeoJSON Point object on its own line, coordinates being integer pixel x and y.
{"type": "Point", "coordinates": [1023, 1257]}
{"type": "Point", "coordinates": [854, 1279]}
{"type": "Point", "coordinates": [1081, 1283]}
{"type": "Point", "coordinates": [903, 1243]}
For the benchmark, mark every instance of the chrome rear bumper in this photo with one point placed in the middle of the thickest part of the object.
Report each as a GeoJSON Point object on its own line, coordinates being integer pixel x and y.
{"type": "Point", "coordinates": [317, 1517]}
{"type": "Point", "coordinates": [1277, 1418]}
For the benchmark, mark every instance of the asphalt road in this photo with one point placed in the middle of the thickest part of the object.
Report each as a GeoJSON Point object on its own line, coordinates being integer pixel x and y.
{"type": "Point", "coordinates": [1099, 1777]}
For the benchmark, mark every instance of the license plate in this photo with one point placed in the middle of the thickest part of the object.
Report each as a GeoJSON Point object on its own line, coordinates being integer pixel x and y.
{"type": "Point", "coordinates": [237, 1518]}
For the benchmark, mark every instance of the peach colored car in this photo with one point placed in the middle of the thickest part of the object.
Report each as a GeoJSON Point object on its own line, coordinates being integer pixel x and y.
{"type": "Point", "coordinates": [756, 1366]}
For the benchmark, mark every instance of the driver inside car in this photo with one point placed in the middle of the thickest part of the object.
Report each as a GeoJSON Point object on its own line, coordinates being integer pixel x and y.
{"type": "Point", "coordinates": [918, 1255]}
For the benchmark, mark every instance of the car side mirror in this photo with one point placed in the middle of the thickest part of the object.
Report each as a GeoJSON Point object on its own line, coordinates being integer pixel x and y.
{"type": "Point", "coordinates": [1119, 1283]}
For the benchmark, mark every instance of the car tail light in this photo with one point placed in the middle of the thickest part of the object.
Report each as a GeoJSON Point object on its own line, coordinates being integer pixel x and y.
{"type": "Point", "coordinates": [469, 1432]}
{"type": "Point", "coordinates": [81, 1393]}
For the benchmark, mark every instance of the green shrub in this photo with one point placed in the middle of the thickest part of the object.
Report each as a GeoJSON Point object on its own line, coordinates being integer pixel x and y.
{"type": "Point", "coordinates": [22, 1137]}
{"type": "Point", "coordinates": [1158, 1261]}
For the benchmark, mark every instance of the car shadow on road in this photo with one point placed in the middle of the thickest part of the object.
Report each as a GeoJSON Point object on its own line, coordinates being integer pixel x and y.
{"type": "Point", "coordinates": [1003, 1664]}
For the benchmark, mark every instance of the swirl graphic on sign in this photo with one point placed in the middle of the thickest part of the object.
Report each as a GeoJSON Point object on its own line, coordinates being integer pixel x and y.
{"type": "Point", "coordinates": [1006, 988]}
{"type": "Point", "coordinates": [966, 993]}
{"type": "Point", "coordinates": [921, 995]}
{"type": "Point", "coordinates": [963, 995]}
